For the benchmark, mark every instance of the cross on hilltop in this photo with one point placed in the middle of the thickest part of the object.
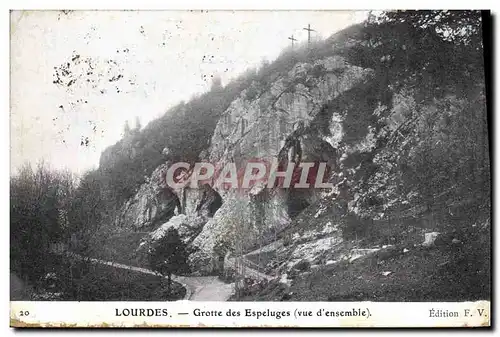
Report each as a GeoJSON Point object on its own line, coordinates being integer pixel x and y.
{"type": "Point", "coordinates": [309, 30]}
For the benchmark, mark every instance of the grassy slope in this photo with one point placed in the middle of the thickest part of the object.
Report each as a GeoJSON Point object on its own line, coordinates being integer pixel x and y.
{"type": "Point", "coordinates": [445, 272]}
{"type": "Point", "coordinates": [122, 248]}
{"type": "Point", "coordinates": [80, 280]}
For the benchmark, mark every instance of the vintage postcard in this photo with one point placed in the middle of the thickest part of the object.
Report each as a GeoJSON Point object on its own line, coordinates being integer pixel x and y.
{"type": "Point", "coordinates": [218, 168]}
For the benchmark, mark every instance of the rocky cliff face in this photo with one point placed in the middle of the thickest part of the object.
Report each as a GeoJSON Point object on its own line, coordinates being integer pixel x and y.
{"type": "Point", "coordinates": [255, 125]}
{"type": "Point", "coordinates": [257, 122]}
{"type": "Point", "coordinates": [154, 203]}
{"type": "Point", "coordinates": [377, 135]}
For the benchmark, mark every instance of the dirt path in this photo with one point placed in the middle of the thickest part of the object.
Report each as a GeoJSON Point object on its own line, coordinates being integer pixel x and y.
{"type": "Point", "coordinates": [198, 288]}
{"type": "Point", "coordinates": [206, 288]}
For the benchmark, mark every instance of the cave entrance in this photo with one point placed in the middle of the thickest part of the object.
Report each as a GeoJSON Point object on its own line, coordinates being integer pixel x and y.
{"type": "Point", "coordinates": [210, 201]}
{"type": "Point", "coordinates": [296, 202]}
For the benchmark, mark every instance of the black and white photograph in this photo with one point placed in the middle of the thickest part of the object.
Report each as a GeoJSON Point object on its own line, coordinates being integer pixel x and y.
{"type": "Point", "coordinates": [185, 156]}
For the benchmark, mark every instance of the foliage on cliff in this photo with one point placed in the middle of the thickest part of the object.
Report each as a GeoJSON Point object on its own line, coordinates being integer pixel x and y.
{"type": "Point", "coordinates": [416, 134]}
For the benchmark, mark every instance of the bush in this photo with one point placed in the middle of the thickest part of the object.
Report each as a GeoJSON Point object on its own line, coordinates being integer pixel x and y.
{"type": "Point", "coordinates": [355, 227]}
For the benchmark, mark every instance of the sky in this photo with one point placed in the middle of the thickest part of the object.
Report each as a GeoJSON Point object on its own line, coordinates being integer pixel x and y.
{"type": "Point", "coordinates": [77, 77]}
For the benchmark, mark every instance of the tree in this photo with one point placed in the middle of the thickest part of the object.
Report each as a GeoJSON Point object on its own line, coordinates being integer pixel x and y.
{"type": "Point", "coordinates": [168, 256]}
{"type": "Point", "coordinates": [126, 129]}
{"type": "Point", "coordinates": [461, 27]}
{"type": "Point", "coordinates": [138, 124]}
{"type": "Point", "coordinates": [39, 206]}
{"type": "Point", "coordinates": [431, 49]}
{"type": "Point", "coordinates": [216, 84]}
{"type": "Point", "coordinates": [238, 234]}
{"type": "Point", "coordinates": [91, 210]}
